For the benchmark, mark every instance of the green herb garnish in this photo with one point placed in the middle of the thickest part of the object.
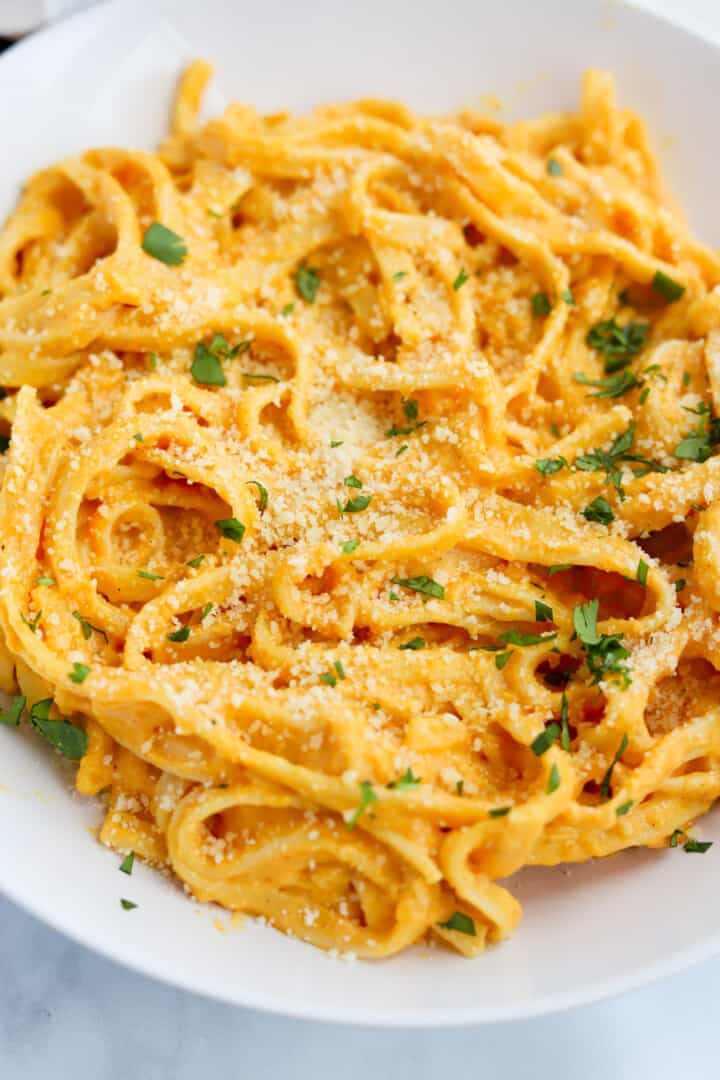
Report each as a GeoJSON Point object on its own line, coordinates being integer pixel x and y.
{"type": "Point", "coordinates": [11, 716]}
{"type": "Point", "coordinates": [668, 288]}
{"type": "Point", "coordinates": [179, 635]}
{"type": "Point", "coordinates": [126, 866]}
{"type": "Point", "coordinates": [414, 644]}
{"type": "Point", "coordinates": [307, 282]}
{"type": "Point", "coordinates": [460, 280]}
{"type": "Point", "coordinates": [367, 796]}
{"type": "Point", "coordinates": [263, 493]}
{"type": "Point", "coordinates": [541, 305]}
{"type": "Point", "coordinates": [71, 741]}
{"type": "Point", "coordinates": [421, 584]}
{"type": "Point", "coordinates": [406, 781]}
{"type": "Point", "coordinates": [553, 781]}
{"type": "Point", "coordinates": [163, 244]}
{"type": "Point", "coordinates": [543, 612]}
{"type": "Point", "coordinates": [606, 782]}
{"type": "Point", "coordinates": [461, 923]}
{"type": "Point", "coordinates": [599, 510]}
{"type": "Point", "coordinates": [617, 344]}
{"type": "Point", "coordinates": [542, 742]}
{"type": "Point", "coordinates": [79, 673]}
{"type": "Point", "coordinates": [231, 528]}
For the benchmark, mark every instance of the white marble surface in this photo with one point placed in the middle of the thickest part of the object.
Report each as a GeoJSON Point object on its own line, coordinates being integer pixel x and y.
{"type": "Point", "coordinates": [65, 1012]}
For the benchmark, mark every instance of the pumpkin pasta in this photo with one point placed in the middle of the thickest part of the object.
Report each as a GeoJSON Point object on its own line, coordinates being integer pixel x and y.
{"type": "Point", "coordinates": [360, 523]}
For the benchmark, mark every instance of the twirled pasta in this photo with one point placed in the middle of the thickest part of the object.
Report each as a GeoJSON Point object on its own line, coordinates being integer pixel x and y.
{"type": "Point", "coordinates": [353, 461]}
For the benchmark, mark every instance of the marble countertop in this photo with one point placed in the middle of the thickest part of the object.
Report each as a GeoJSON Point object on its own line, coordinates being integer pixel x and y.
{"type": "Point", "coordinates": [65, 1012]}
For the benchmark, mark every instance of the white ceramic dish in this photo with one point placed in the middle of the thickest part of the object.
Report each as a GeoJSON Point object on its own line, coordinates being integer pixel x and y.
{"type": "Point", "coordinates": [106, 76]}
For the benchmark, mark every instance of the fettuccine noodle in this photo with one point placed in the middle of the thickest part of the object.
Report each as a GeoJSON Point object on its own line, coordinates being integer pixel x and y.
{"type": "Point", "coordinates": [360, 523]}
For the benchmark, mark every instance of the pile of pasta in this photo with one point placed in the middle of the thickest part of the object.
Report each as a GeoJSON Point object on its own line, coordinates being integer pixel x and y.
{"type": "Point", "coordinates": [359, 528]}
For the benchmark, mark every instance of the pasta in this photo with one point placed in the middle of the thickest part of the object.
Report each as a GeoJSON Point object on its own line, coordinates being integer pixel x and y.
{"type": "Point", "coordinates": [360, 523]}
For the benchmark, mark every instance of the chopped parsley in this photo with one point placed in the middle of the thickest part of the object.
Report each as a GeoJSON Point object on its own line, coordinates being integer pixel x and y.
{"type": "Point", "coordinates": [231, 528]}
{"type": "Point", "coordinates": [148, 576]}
{"type": "Point", "coordinates": [126, 866]}
{"type": "Point", "coordinates": [406, 781]}
{"type": "Point", "coordinates": [543, 612]}
{"type": "Point", "coordinates": [367, 796]}
{"type": "Point", "coordinates": [553, 167]}
{"type": "Point", "coordinates": [127, 905]}
{"type": "Point", "coordinates": [87, 627]}
{"type": "Point", "coordinates": [460, 279]}
{"type": "Point", "coordinates": [410, 408]}
{"type": "Point", "coordinates": [699, 444]}
{"type": "Point", "coordinates": [542, 742]}
{"type": "Point", "coordinates": [549, 466]}
{"type": "Point", "coordinates": [337, 664]}
{"type": "Point", "coordinates": [502, 658]}
{"type": "Point", "coordinates": [207, 366]}
{"type": "Point", "coordinates": [307, 282]}
{"type": "Point", "coordinates": [352, 481]}
{"type": "Point", "coordinates": [33, 624]}
{"type": "Point", "coordinates": [328, 678]}
{"type": "Point", "coordinates": [259, 376]}
{"type": "Point", "coordinates": [460, 923]}
{"type": "Point", "coordinates": [541, 305]}
{"type": "Point", "coordinates": [138, 437]}
{"type": "Point", "coordinates": [608, 461]}
{"type": "Point", "coordinates": [606, 782]}
{"type": "Point", "coordinates": [335, 442]}
{"type": "Point", "coordinates": [79, 673]}
{"type": "Point", "coordinates": [71, 741]}
{"type": "Point", "coordinates": [287, 310]}
{"type": "Point", "coordinates": [196, 561]}
{"type": "Point", "coordinates": [680, 584]}
{"type": "Point", "coordinates": [414, 644]}
{"type": "Point", "coordinates": [599, 510]}
{"type": "Point", "coordinates": [10, 717]}
{"type": "Point", "coordinates": [668, 288]}
{"type": "Point", "coordinates": [516, 637]}
{"type": "Point", "coordinates": [399, 275]}
{"type": "Point", "coordinates": [624, 807]}
{"type": "Point", "coordinates": [564, 724]}
{"type": "Point", "coordinates": [568, 297]}
{"type": "Point", "coordinates": [421, 584]}
{"type": "Point", "coordinates": [499, 811]}
{"type": "Point", "coordinates": [553, 780]}
{"type": "Point", "coordinates": [179, 635]}
{"type": "Point", "coordinates": [604, 654]}
{"type": "Point", "coordinates": [356, 504]}
{"type": "Point", "coordinates": [349, 546]}
{"type": "Point", "coordinates": [696, 847]}
{"type": "Point", "coordinates": [263, 493]}
{"type": "Point", "coordinates": [642, 572]}
{"type": "Point", "coordinates": [617, 344]}
{"type": "Point", "coordinates": [612, 386]}
{"type": "Point", "coordinates": [558, 567]}
{"type": "Point", "coordinates": [164, 244]}
{"type": "Point", "coordinates": [206, 610]}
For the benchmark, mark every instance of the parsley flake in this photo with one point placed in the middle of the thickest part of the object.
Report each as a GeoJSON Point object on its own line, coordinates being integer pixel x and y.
{"type": "Point", "coordinates": [421, 584]}
{"type": "Point", "coordinates": [414, 644]}
{"type": "Point", "coordinates": [367, 796]}
{"type": "Point", "coordinates": [460, 279]}
{"type": "Point", "coordinates": [356, 504]}
{"type": "Point", "coordinates": [606, 782]}
{"type": "Point", "coordinates": [564, 723]}
{"type": "Point", "coordinates": [624, 807]}
{"type": "Point", "coordinates": [541, 305]}
{"type": "Point", "coordinates": [165, 245]}
{"type": "Point", "coordinates": [553, 780]}
{"type": "Point", "coordinates": [543, 612]}
{"type": "Point", "coordinates": [502, 658]}
{"type": "Point", "coordinates": [263, 493]}
{"type": "Point", "coordinates": [307, 282]}
{"type": "Point", "coordinates": [148, 576]}
{"type": "Point", "coordinates": [231, 528]}
{"type": "Point", "coordinates": [696, 847]}
{"type": "Point", "coordinates": [127, 905]}
{"type": "Point", "coordinates": [550, 466]}
{"type": "Point", "coordinates": [460, 923]}
{"type": "Point", "coordinates": [617, 344]}
{"type": "Point", "coordinates": [611, 387]}
{"type": "Point", "coordinates": [406, 781]}
{"type": "Point", "coordinates": [349, 546]}
{"type": "Point", "coordinates": [553, 167]}
{"type": "Point", "coordinates": [352, 481]}
{"type": "Point", "coordinates": [71, 741]}
{"type": "Point", "coordinates": [668, 288]}
{"type": "Point", "coordinates": [542, 742]}
{"type": "Point", "coordinates": [79, 673]}
{"type": "Point", "coordinates": [642, 572]}
{"type": "Point", "coordinates": [599, 510]}
{"type": "Point", "coordinates": [499, 811]}
{"type": "Point", "coordinates": [126, 866]}
{"type": "Point", "coordinates": [179, 635]}
{"type": "Point", "coordinates": [10, 717]}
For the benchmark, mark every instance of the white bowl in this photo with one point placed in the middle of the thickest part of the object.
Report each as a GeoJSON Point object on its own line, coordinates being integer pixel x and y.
{"type": "Point", "coordinates": [106, 76]}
